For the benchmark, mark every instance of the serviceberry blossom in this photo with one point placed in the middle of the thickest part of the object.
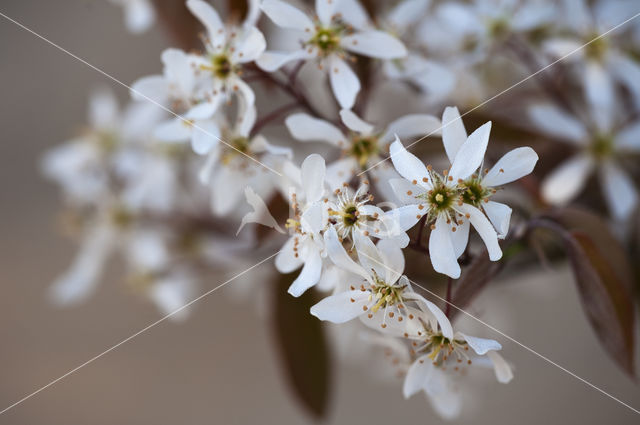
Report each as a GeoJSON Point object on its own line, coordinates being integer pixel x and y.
{"type": "Point", "coordinates": [600, 150]}
{"type": "Point", "coordinates": [363, 147]}
{"type": "Point", "coordinates": [329, 38]}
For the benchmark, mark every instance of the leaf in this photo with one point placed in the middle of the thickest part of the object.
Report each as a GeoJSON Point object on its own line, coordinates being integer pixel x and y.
{"type": "Point", "coordinates": [602, 275]}
{"type": "Point", "coordinates": [302, 344]}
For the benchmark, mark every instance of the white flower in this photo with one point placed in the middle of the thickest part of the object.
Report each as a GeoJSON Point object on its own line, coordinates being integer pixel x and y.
{"type": "Point", "coordinates": [598, 149]}
{"type": "Point", "coordinates": [363, 147]}
{"type": "Point", "coordinates": [441, 357]}
{"type": "Point", "coordinates": [228, 48]}
{"type": "Point", "coordinates": [139, 15]}
{"type": "Point", "coordinates": [243, 160]}
{"type": "Point", "coordinates": [377, 291]}
{"type": "Point", "coordinates": [336, 32]}
{"type": "Point", "coordinates": [305, 247]}
{"type": "Point", "coordinates": [600, 63]}
{"type": "Point", "coordinates": [439, 198]}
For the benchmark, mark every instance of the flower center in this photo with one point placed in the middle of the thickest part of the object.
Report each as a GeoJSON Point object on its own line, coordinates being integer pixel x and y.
{"type": "Point", "coordinates": [474, 193]}
{"type": "Point", "coordinates": [221, 66]}
{"type": "Point", "coordinates": [442, 349]}
{"type": "Point", "coordinates": [386, 295]}
{"type": "Point", "coordinates": [327, 40]}
{"type": "Point", "coordinates": [498, 28]}
{"type": "Point", "coordinates": [363, 148]}
{"type": "Point", "coordinates": [239, 146]}
{"type": "Point", "coordinates": [602, 146]}
{"type": "Point", "coordinates": [596, 47]}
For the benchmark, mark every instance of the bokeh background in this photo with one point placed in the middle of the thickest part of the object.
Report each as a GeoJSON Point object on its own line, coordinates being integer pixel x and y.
{"type": "Point", "coordinates": [220, 366]}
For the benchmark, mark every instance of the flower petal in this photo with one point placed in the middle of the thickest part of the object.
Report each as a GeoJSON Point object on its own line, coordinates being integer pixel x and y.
{"type": "Point", "coordinates": [325, 9]}
{"type": "Point", "coordinates": [344, 82]}
{"type": "Point", "coordinates": [374, 44]}
{"type": "Point", "coordinates": [272, 61]}
{"type": "Point", "coordinates": [441, 250]}
{"type": "Point", "coordinates": [286, 261]}
{"type": "Point", "coordinates": [342, 307]}
{"type": "Point", "coordinates": [484, 228]}
{"type": "Point", "coordinates": [406, 13]}
{"type": "Point", "coordinates": [341, 171]}
{"type": "Point", "coordinates": [353, 13]}
{"type": "Point", "coordinates": [286, 16]}
{"type": "Point", "coordinates": [481, 345]}
{"type": "Point", "coordinates": [567, 180]}
{"type": "Point", "coordinates": [405, 191]}
{"type": "Point", "coordinates": [471, 153]}
{"type": "Point", "coordinates": [204, 137]}
{"type": "Point", "coordinates": [503, 371]}
{"type": "Point", "coordinates": [355, 123]}
{"type": "Point", "coordinates": [313, 172]}
{"type": "Point", "coordinates": [618, 190]}
{"type": "Point", "coordinates": [208, 16]}
{"type": "Point", "coordinates": [339, 256]}
{"type": "Point", "coordinates": [556, 123]}
{"type": "Point", "coordinates": [453, 132]}
{"type": "Point", "coordinates": [417, 376]}
{"type": "Point", "coordinates": [309, 275]}
{"type": "Point", "coordinates": [629, 138]}
{"type": "Point", "coordinates": [499, 215]}
{"type": "Point", "coordinates": [410, 126]}
{"type": "Point", "coordinates": [407, 165]}
{"type": "Point", "coordinates": [306, 128]}
{"type": "Point", "coordinates": [513, 165]}
{"type": "Point", "coordinates": [250, 47]}
{"type": "Point", "coordinates": [600, 93]}
{"type": "Point", "coordinates": [460, 238]}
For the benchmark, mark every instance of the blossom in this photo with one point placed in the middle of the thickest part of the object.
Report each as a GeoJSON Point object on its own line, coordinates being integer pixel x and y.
{"type": "Point", "coordinates": [440, 200]}
{"type": "Point", "coordinates": [139, 15]}
{"type": "Point", "coordinates": [598, 150]}
{"type": "Point", "coordinates": [598, 63]}
{"type": "Point", "coordinates": [329, 38]}
{"type": "Point", "coordinates": [441, 357]}
{"type": "Point", "coordinates": [363, 146]}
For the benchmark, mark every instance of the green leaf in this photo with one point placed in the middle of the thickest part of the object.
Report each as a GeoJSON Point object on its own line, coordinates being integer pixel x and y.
{"type": "Point", "coordinates": [603, 277]}
{"type": "Point", "coordinates": [302, 345]}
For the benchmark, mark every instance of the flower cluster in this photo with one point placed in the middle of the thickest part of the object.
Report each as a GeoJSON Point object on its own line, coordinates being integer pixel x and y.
{"type": "Point", "coordinates": [362, 97]}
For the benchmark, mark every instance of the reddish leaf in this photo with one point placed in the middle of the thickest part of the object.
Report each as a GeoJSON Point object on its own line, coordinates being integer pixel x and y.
{"type": "Point", "coordinates": [302, 345]}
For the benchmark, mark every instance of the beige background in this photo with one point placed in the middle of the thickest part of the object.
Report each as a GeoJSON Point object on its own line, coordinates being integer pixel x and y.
{"type": "Point", "coordinates": [219, 366]}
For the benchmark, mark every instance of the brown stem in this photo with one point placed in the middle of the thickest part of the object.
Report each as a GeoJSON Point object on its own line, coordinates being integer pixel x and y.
{"type": "Point", "coordinates": [447, 310]}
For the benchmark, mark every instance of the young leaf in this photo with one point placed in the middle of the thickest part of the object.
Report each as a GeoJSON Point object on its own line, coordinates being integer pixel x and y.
{"type": "Point", "coordinates": [302, 345]}
{"type": "Point", "coordinates": [602, 281]}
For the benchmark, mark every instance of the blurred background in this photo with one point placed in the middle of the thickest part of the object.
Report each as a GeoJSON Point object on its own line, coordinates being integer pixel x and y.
{"type": "Point", "coordinates": [220, 365]}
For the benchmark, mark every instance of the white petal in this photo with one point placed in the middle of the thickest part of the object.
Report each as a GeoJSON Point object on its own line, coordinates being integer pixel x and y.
{"type": "Point", "coordinates": [341, 171]}
{"type": "Point", "coordinates": [325, 10]}
{"type": "Point", "coordinates": [557, 123]}
{"type": "Point", "coordinates": [499, 215]}
{"type": "Point", "coordinates": [369, 257]}
{"type": "Point", "coordinates": [139, 15]}
{"type": "Point", "coordinates": [272, 61]}
{"type": "Point", "coordinates": [375, 44]}
{"type": "Point", "coordinates": [309, 275]}
{"type": "Point", "coordinates": [410, 126]}
{"type": "Point", "coordinates": [344, 82]}
{"type": "Point", "coordinates": [600, 93]}
{"type": "Point", "coordinates": [564, 47]}
{"type": "Point", "coordinates": [629, 138]}
{"type": "Point", "coordinates": [481, 345]}
{"type": "Point", "coordinates": [417, 376]}
{"type": "Point", "coordinates": [441, 251]}
{"type": "Point", "coordinates": [353, 13]}
{"type": "Point", "coordinates": [313, 220]}
{"type": "Point", "coordinates": [405, 191]}
{"type": "Point", "coordinates": [152, 87]}
{"type": "Point", "coordinates": [286, 16]}
{"type": "Point", "coordinates": [513, 165]}
{"type": "Point", "coordinates": [393, 259]}
{"type": "Point", "coordinates": [381, 175]}
{"type": "Point", "coordinates": [484, 228]}
{"type": "Point", "coordinates": [103, 109]}
{"type": "Point", "coordinates": [175, 130]}
{"type": "Point", "coordinates": [453, 132]}
{"type": "Point", "coordinates": [438, 315]}
{"type": "Point", "coordinates": [503, 371]}
{"type": "Point", "coordinates": [342, 307]}
{"type": "Point", "coordinates": [208, 16]}
{"type": "Point", "coordinates": [355, 123]}
{"type": "Point", "coordinates": [306, 128]}
{"type": "Point", "coordinates": [339, 256]}
{"type": "Point", "coordinates": [250, 47]}
{"type": "Point", "coordinates": [407, 165]}
{"type": "Point", "coordinates": [313, 172]}
{"type": "Point", "coordinates": [618, 190]}
{"type": "Point", "coordinates": [227, 188]}
{"type": "Point", "coordinates": [566, 181]}
{"type": "Point", "coordinates": [460, 238]}
{"type": "Point", "coordinates": [401, 219]}
{"type": "Point", "coordinates": [79, 281]}
{"type": "Point", "coordinates": [260, 213]}
{"type": "Point", "coordinates": [471, 153]}
{"type": "Point", "coordinates": [286, 261]}
{"type": "Point", "coordinates": [204, 137]}
{"type": "Point", "coordinates": [407, 12]}
{"type": "Point", "coordinates": [627, 71]}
